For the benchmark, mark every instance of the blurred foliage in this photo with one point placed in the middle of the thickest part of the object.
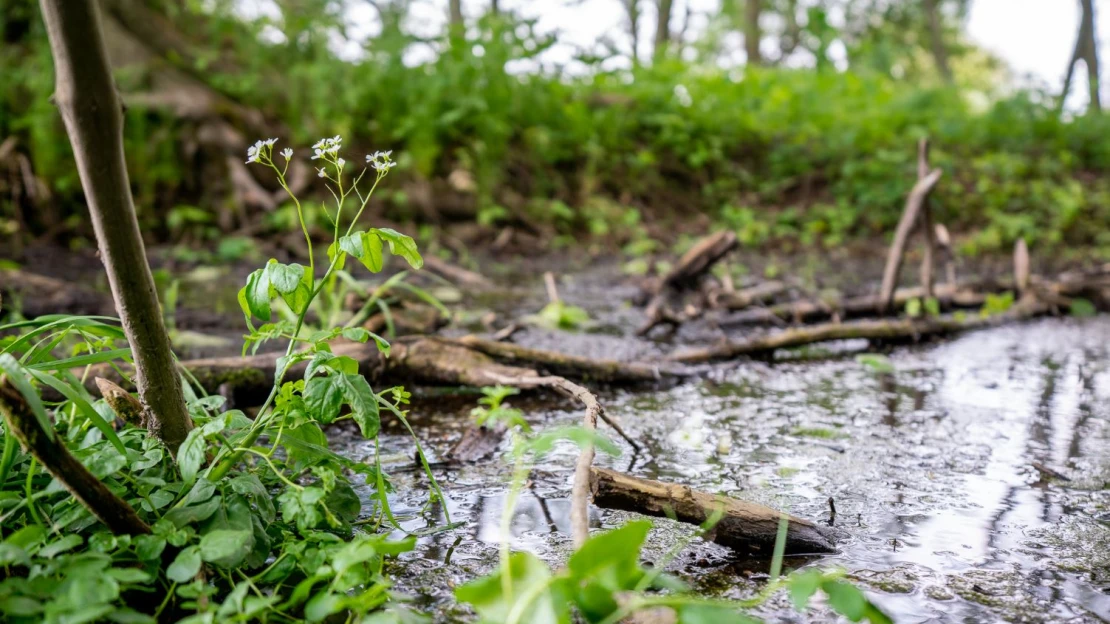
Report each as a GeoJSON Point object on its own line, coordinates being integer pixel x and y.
{"type": "Point", "coordinates": [813, 155]}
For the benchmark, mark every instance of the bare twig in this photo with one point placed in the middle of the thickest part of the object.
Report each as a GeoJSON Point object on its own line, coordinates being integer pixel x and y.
{"type": "Point", "coordinates": [898, 247]}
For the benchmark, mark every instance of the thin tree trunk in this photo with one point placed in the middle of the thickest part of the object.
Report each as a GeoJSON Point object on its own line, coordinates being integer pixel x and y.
{"type": "Point", "coordinates": [455, 15]}
{"type": "Point", "coordinates": [86, 96]}
{"type": "Point", "coordinates": [633, 8]}
{"type": "Point", "coordinates": [936, 40]}
{"type": "Point", "coordinates": [1086, 49]}
{"type": "Point", "coordinates": [1091, 54]}
{"type": "Point", "coordinates": [752, 32]}
{"type": "Point", "coordinates": [663, 28]}
{"type": "Point", "coordinates": [495, 7]}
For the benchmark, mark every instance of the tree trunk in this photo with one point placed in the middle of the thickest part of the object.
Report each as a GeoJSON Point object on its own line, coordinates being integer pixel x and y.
{"type": "Point", "coordinates": [86, 96]}
{"type": "Point", "coordinates": [495, 7]}
{"type": "Point", "coordinates": [663, 28]}
{"type": "Point", "coordinates": [455, 16]}
{"type": "Point", "coordinates": [752, 32]}
{"type": "Point", "coordinates": [633, 8]}
{"type": "Point", "coordinates": [1086, 49]}
{"type": "Point", "coordinates": [936, 40]}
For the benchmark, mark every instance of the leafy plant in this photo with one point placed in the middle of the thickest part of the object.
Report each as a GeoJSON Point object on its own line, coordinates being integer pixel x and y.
{"type": "Point", "coordinates": [560, 315]}
{"type": "Point", "coordinates": [257, 519]}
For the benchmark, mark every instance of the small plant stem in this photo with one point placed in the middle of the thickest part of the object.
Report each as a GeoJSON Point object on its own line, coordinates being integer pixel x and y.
{"type": "Point", "coordinates": [300, 217]}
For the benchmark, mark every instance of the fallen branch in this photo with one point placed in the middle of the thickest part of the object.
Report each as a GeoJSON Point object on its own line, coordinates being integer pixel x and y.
{"type": "Point", "coordinates": [50, 451]}
{"type": "Point", "coordinates": [572, 365]}
{"type": "Point", "coordinates": [744, 526]}
{"type": "Point", "coordinates": [885, 329]}
{"type": "Point", "coordinates": [747, 297]}
{"type": "Point", "coordinates": [685, 276]}
{"type": "Point", "coordinates": [456, 274]}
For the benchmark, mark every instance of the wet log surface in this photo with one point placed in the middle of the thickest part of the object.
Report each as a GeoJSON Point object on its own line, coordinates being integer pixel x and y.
{"type": "Point", "coordinates": [744, 526]}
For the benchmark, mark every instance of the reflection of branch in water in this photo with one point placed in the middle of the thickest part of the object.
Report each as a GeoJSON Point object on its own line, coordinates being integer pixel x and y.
{"type": "Point", "coordinates": [554, 528]}
{"type": "Point", "coordinates": [1087, 381]}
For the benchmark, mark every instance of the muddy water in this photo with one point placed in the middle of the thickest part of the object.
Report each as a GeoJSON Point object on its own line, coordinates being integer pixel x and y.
{"type": "Point", "coordinates": [933, 470]}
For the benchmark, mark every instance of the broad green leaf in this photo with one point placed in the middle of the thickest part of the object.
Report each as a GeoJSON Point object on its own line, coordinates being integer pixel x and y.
{"type": "Point", "coordinates": [256, 295]}
{"type": "Point", "coordinates": [364, 404]}
{"type": "Point", "coordinates": [190, 456]}
{"type": "Point", "coordinates": [356, 334]}
{"type": "Point", "coordinates": [802, 587]}
{"type": "Point", "coordinates": [182, 516]}
{"type": "Point", "coordinates": [1082, 308]}
{"type": "Point", "coordinates": [846, 599]}
{"type": "Point", "coordinates": [185, 566]}
{"type": "Point", "coordinates": [401, 245]}
{"type": "Point", "coordinates": [605, 565]}
{"type": "Point", "coordinates": [226, 548]}
{"type": "Point", "coordinates": [371, 257]}
{"type": "Point", "coordinates": [530, 578]}
{"type": "Point", "coordinates": [284, 277]}
{"type": "Point", "coordinates": [352, 244]}
{"type": "Point", "coordinates": [710, 614]}
{"type": "Point", "coordinates": [323, 396]}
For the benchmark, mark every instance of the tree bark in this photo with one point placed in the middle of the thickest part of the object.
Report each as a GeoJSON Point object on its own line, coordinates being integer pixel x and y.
{"type": "Point", "coordinates": [663, 28]}
{"type": "Point", "coordinates": [752, 32]}
{"type": "Point", "coordinates": [86, 96]}
{"type": "Point", "coordinates": [936, 39]}
{"type": "Point", "coordinates": [456, 14]}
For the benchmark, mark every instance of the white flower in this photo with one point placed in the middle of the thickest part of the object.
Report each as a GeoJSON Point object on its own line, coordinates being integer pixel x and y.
{"type": "Point", "coordinates": [254, 152]}
{"type": "Point", "coordinates": [378, 156]}
{"type": "Point", "coordinates": [322, 173]}
{"type": "Point", "coordinates": [341, 162]}
{"type": "Point", "coordinates": [270, 142]}
{"type": "Point", "coordinates": [383, 166]}
{"type": "Point", "coordinates": [287, 153]}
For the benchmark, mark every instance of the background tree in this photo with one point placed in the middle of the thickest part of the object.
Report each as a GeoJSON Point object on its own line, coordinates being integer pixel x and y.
{"type": "Point", "coordinates": [1086, 50]}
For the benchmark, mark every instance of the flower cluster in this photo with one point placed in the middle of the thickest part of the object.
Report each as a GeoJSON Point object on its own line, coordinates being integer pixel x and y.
{"type": "Point", "coordinates": [261, 150]}
{"type": "Point", "coordinates": [327, 148]}
{"type": "Point", "coordinates": [381, 161]}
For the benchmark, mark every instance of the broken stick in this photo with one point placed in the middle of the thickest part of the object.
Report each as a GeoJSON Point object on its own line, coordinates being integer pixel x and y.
{"type": "Point", "coordinates": [744, 526]}
{"type": "Point", "coordinates": [901, 235]}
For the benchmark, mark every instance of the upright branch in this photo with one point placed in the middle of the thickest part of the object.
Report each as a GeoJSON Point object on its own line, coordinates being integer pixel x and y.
{"type": "Point", "coordinates": [87, 98]}
{"type": "Point", "coordinates": [928, 258]}
{"type": "Point", "coordinates": [914, 203]}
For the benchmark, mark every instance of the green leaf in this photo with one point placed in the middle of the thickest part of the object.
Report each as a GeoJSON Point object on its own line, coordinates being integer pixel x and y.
{"type": "Point", "coordinates": [605, 565]}
{"type": "Point", "coordinates": [185, 566]}
{"type": "Point", "coordinates": [364, 404]}
{"type": "Point", "coordinates": [323, 396]}
{"type": "Point", "coordinates": [710, 614]}
{"type": "Point", "coordinates": [932, 306]}
{"type": "Point", "coordinates": [529, 577]}
{"type": "Point", "coordinates": [581, 436]}
{"type": "Point", "coordinates": [284, 277]}
{"type": "Point", "coordinates": [356, 334]}
{"type": "Point", "coordinates": [846, 599]}
{"type": "Point", "coordinates": [149, 547]}
{"type": "Point", "coordinates": [1082, 308]}
{"type": "Point", "coordinates": [371, 257]}
{"type": "Point", "coordinates": [877, 362]}
{"type": "Point", "coordinates": [344, 502]}
{"type": "Point", "coordinates": [401, 245]}
{"type": "Point", "coordinates": [254, 298]}
{"type": "Point", "coordinates": [68, 542]}
{"type": "Point", "coordinates": [913, 308]}
{"type": "Point", "coordinates": [226, 548]}
{"type": "Point", "coordinates": [352, 244]}
{"type": "Point", "coordinates": [182, 516]}
{"type": "Point", "coordinates": [190, 456]}
{"type": "Point", "coordinates": [18, 379]}
{"type": "Point", "coordinates": [802, 587]}
{"type": "Point", "coordinates": [20, 606]}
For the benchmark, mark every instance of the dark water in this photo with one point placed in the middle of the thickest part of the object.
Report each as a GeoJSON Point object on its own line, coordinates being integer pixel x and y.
{"type": "Point", "coordinates": [932, 469]}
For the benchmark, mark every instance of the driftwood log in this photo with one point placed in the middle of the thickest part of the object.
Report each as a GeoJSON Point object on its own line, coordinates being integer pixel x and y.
{"type": "Point", "coordinates": [51, 452]}
{"type": "Point", "coordinates": [744, 526]}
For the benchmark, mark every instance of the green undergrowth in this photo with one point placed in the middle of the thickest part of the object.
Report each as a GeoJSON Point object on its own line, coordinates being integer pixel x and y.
{"type": "Point", "coordinates": [778, 155]}
{"type": "Point", "coordinates": [255, 518]}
